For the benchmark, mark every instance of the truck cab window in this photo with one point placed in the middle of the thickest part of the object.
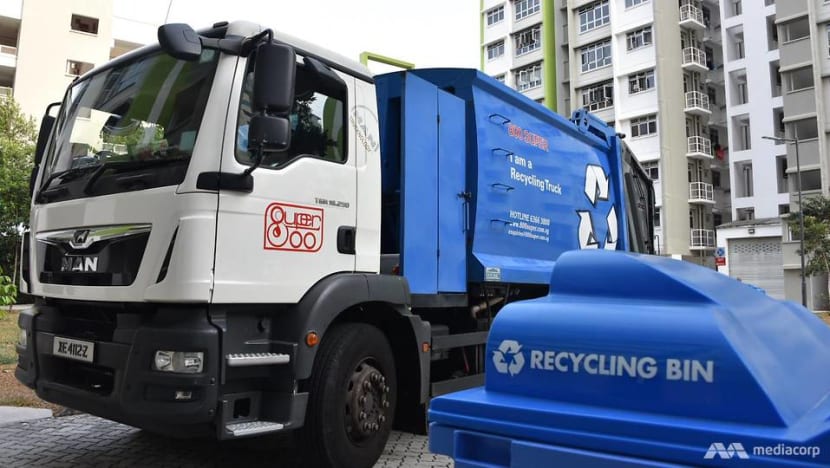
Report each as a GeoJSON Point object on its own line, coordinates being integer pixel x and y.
{"type": "Point", "coordinates": [317, 122]}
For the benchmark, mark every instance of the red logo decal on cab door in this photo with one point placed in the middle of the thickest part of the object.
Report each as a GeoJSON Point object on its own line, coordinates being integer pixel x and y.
{"type": "Point", "coordinates": [293, 227]}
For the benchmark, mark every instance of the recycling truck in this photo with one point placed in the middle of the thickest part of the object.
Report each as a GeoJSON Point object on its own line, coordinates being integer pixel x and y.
{"type": "Point", "coordinates": [235, 232]}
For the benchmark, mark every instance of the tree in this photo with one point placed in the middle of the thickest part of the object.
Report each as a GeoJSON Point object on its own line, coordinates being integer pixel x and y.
{"type": "Point", "coordinates": [816, 234]}
{"type": "Point", "coordinates": [17, 142]}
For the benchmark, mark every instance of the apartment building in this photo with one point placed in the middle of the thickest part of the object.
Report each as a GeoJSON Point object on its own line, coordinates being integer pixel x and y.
{"type": "Point", "coordinates": [761, 172]}
{"type": "Point", "coordinates": [651, 68]}
{"type": "Point", "coordinates": [41, 53]}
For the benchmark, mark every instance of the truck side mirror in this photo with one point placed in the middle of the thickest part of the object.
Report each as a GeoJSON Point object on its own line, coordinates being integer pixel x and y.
{"type": "Point", "coordinates": [268, 133]}
{"type": "Point", "coordinates": [274, 73]}
{"type": "Point", "coordinates": [46, 124]}
{"type": "Point", "coordinates": [180, 41]}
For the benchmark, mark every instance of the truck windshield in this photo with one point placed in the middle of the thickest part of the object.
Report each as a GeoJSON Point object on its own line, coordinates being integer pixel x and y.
{"type": "Point", "coordinates": [131, 126]}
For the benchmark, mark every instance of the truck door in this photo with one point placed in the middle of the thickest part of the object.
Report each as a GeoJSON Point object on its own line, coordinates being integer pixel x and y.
{"type": "Point", "coordinates": [297, 225]}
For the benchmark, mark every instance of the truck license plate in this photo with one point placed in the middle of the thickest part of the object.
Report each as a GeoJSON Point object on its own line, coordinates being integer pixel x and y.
{"type": "Point", "coordinates": [73, 349]}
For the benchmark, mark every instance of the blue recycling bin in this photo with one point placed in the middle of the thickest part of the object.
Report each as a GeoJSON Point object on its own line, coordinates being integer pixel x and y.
{"type": "Point", "coordinates": [636, 360]}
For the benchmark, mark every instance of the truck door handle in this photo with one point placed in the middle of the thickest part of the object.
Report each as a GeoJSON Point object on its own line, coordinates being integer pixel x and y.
{"type": "Point", "coordinates": [346, 239]}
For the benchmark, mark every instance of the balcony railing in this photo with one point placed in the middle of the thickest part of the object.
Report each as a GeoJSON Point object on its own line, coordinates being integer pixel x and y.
{"type": "Point", "coordinates": [694, 58]}
{"type": "Point", "coordinates": [699, 146]}
{"type": "Point", "coordinates": [701, 191]}
{"type": "Point", "coordinates": [5, 92]}
{"type": "Point", "coordinates": [8, 50]}
{"type": "Point", "coordinates": [703, 239]}
{"type": "Point", "coordinates": [697, 101]}
{"type": "Point", "coordinates": [691, 16]}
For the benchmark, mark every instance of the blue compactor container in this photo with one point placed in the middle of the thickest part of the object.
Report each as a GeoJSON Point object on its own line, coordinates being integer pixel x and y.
{"type": "Point", "coordinates": [644, 361]}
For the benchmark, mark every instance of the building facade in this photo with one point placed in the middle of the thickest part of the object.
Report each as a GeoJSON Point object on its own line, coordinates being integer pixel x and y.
{"type": "Point", "coordinates": [760, 174]}
{"type": "Point", "coordinates": [40, 54]}
{"type": "Point", "coordinates": [652, 69]}
{"type": "Point", "coordinates": [781, 93]}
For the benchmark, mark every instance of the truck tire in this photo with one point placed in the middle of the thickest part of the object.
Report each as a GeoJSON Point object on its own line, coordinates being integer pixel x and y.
{"type": "Point", "coordinates": [352, 396]}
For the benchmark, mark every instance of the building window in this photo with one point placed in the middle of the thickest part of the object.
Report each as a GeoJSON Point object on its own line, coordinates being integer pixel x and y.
{"type": "Point", "coordinates": [742, 95]}
{"type": "Point", "coordinates": [500, 78]}
{"type": "Point", "coordinates": [810, 180]}
{"type": "Point", "coordinates": [593, 16]}
{"type": "Point", "coordinates": [737, 8]}
{"type": "Point", "coordinates": [799, 79]}
{"type": "Point", "coordinates": [784, 209]}
{"type": "Point", "coordinates": [642, 126]}
{"type": "Point", "coordinates": [495, 50]}
{"type": "Point", "coordinates": [596, 55]}
{"type": "Point", "coordinates": [598, 97]}
{"type": "Point", "coordinates": [744, 179]}
{"type": "Point", "coordinates": [743, 138]}
{"type": "Point", "coordinates": [716, 179]}
{"type": "Point", "coordinates": [828, 38]}
{"type": "Point", "coordinates": [633, 3]}
{"type": "Point", "coordinates": [76, 68]}
{"type": "Point", "coordinates": [640, 82]}
{"type": "Point", "coordinates": [803, 129]}
{"type": "Point", "coordinates": [496, 15]}
{"type": "Point", "coordinates": [525, 8]}
{"type": "Point", "coordinates": [529, 77]}
{"type": "Point", "coordinates": [84, 24]}
{"type": "Point", "coordinates": [657, 216]}
{"type": "Point", "coordinates": [652, 168]}
{"type": "Point", "coordinates": [639, 38]}
{"type": "Point", "coordinates": [528, 40]}
{"type": "Point", "coordinates": [795, 30]}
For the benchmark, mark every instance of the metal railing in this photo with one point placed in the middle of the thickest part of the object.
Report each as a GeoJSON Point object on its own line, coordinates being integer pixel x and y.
{"type": "Point", "coordinates": [5, 92]}
{"type": "Point", "coordinates": [703, 238]}
{"type": "Point", "coordinates": [691, 12]}
{"type": "Point", "coordinates": [8, 50]}
{"type": "Point", "coordinates": [701, 191]}
{"type": "Point", "coordinates": [699, 145]}
{"type": "Point", "coordinates": [697, 99]}
{"type": "Point", "coordinates": [694, 56]}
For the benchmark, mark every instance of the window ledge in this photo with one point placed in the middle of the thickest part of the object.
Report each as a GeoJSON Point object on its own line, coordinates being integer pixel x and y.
{"type": "Point", "coordinates": [82, 33]}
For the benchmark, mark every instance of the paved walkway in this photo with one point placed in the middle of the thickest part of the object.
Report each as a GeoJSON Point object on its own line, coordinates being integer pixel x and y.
{"type": "Point", "coordinates": [85, 440]}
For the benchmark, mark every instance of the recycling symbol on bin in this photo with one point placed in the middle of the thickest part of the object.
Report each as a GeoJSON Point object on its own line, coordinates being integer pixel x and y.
{"type": "Point", "coordinates": [508, 357]}
{"type": "Point", "coordinates": [596, 189]}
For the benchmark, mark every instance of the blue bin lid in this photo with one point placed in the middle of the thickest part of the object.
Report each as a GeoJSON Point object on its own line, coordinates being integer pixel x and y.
{"type": "Point", "coordinates": [649, 356]}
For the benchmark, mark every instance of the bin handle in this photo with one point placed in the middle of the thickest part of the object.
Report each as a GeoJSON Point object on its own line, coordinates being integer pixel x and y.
{"type": "Point", "coordinates": [505, 187]}
{"type": "Point", "coordinates": [503, 152]}
{"type": "Point", "coordinates": [503, 119]}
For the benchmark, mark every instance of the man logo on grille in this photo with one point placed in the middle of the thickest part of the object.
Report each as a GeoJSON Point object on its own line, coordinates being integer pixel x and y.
{"type": "Point", "coordinates": [508, 357]}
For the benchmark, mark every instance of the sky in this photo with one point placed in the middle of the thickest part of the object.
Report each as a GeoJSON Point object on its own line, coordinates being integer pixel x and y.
{"type": "Point", "coordinates": [428, 33]}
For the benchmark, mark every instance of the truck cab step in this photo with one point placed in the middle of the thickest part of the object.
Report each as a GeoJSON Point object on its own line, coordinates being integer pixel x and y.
{"type": "Point", "coordinates": [257, 359]}
{"type": "Point", "coordinates": [253, 427]}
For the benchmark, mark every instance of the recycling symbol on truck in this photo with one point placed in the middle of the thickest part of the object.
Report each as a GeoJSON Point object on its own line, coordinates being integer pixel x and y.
{"type": "Point", "coordinates": [596, 189]}
{"type": "Point", "coordinates": [508, 357]}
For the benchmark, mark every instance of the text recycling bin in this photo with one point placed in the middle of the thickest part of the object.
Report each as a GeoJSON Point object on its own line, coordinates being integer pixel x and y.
{"type": "Point", "coordinates": [635, 360]}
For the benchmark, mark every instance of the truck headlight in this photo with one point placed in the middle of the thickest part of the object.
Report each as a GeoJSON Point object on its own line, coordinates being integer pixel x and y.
{"type": "Point", "coordinates": [183, 362]}
{"type": "Point", "coordinates": [22, 339]}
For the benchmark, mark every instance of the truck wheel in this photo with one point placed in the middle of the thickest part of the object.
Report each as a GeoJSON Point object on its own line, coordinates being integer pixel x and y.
{"type": "Point", "coordinates": [352, 396]}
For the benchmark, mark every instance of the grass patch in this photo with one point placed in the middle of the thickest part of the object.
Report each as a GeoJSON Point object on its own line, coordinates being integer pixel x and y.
{"type": "Point", "coordinates": [9, 332]}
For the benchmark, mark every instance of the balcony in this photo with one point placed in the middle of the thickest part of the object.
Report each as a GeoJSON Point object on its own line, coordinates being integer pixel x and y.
{"type": "Point", "coordinates": [701, 192]}
{"type": "Point", "coordinates": [702, 239]}
{"type": "Point", "coordinates": [694, 59]}
{"type": "Point", "coordinates": [5, 92]}
{"type": "Point", "coordinates": [699, 148]}
{"type": "Point", "coordinates": [691, 17]}
{"type": "Point", "coordinates": [697, 103]}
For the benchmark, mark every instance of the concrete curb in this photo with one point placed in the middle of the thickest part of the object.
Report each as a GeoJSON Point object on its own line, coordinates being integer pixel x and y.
{"type": "Point", "coordinates": [16, 414]}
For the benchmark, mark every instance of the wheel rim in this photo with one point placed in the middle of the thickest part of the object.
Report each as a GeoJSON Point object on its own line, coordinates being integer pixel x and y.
{"type": "Point", "coordinates": [367, 401]}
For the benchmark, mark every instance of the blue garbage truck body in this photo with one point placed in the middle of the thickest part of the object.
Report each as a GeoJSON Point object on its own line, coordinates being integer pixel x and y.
{"type": "Point", "coordinates": [636, 360]}
{"type": "Point", "coordinates": [235, 232]}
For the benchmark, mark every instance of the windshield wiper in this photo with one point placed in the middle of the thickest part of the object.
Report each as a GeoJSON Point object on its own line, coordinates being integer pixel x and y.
{"type": "Point", "coordinates": [129, 165]}
{"type": "Point", "coordinates": [74, 172]}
